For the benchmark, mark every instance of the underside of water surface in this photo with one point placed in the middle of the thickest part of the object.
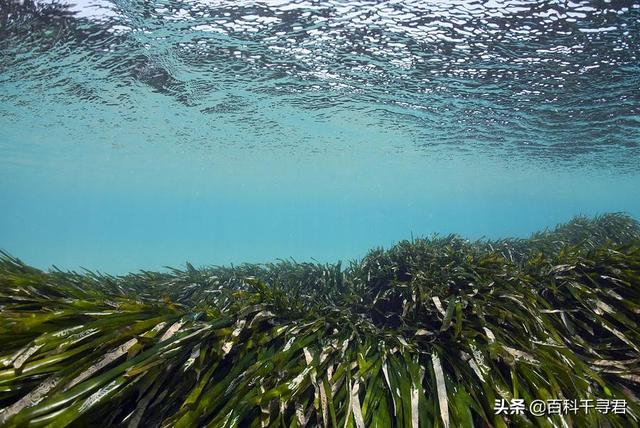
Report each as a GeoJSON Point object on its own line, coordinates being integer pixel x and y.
{"type": "Point", "coordinates": [142, 134]}
{"type": "Point", "coordinates": [396, 213]}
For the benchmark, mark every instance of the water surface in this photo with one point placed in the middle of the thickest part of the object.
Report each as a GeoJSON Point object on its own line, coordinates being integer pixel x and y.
{"type": "Point", "coordinates": [138, 134]}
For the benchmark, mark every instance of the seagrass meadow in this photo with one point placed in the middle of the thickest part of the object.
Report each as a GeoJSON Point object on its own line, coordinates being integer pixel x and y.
{"type": "Point", "coordinates": [430, 332]}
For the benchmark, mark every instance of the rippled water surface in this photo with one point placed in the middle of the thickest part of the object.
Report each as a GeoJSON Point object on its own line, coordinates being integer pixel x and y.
{"type": "Point", "coordinates": [144, 133]}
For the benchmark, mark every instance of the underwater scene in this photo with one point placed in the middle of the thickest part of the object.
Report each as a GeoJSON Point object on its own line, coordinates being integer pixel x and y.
{"type": "Point", "coordinates": [319, 213]}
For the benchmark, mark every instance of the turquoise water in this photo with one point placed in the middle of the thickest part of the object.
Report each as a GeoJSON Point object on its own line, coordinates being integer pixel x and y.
{"type": "Point", "coordinates": [143, 134]}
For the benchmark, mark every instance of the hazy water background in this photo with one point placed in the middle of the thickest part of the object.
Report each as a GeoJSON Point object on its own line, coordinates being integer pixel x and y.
{"type": "Point", "coordinates": [138, 134]}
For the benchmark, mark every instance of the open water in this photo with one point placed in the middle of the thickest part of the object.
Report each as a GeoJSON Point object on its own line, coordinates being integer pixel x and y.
{"type": "Point", "coordinates": [138, 134]}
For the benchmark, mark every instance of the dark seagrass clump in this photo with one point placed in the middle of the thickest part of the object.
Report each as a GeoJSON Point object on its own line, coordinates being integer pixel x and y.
{"type": "Point", "coordinates": [431, 332]}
